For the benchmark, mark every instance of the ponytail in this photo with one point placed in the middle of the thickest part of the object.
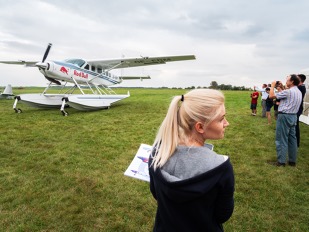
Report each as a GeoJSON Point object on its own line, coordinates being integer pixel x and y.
{"type": "Point", "coordinates": [168, 135]}
{"type": "Point", "coordinates": [199, 105]}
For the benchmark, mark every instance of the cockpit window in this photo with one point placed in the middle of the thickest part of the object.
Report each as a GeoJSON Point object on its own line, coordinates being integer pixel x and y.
{"type": "Point", "coordinates": [77, 62]}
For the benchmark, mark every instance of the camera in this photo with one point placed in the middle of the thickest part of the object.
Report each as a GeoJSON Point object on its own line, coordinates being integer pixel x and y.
{"type": "Point", "coordinates": [277, 83]}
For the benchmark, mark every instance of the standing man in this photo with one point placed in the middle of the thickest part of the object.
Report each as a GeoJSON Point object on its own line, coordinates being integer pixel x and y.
{"type": "Point", "coordinates": [290, 100]}
{"type": "Point", "coordinates": [302, 89]}
{"type": "Point", "coordinates": [254, 101]}
{"type": "Point", "coordinates": [264, 97]}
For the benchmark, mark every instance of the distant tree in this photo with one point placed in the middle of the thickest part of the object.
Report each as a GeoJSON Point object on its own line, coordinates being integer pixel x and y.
{"type": "Point", "coordinates": [213, 85]}
{"type": "Point", "coordinates": [192, 87]}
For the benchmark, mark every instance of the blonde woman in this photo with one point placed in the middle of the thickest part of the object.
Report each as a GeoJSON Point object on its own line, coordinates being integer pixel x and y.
{"type": "Point", "coordinates": [193, 186]}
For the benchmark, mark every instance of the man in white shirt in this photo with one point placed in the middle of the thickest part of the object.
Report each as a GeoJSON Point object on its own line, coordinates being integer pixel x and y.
{"type": "Point", "coordinates": [264, 97]}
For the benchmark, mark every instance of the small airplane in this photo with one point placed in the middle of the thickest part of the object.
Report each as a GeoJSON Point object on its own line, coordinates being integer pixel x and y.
{"type": "Point", "coordinates": [7, 93]}
{"type": "Point", "coordinates": [93, 75]}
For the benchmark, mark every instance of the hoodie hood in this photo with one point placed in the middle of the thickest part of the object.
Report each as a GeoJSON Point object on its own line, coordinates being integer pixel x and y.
{"type": "Point", "coordinates": [182, 190]}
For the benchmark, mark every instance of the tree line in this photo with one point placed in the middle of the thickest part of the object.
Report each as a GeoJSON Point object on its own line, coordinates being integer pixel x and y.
{"type": "Point", "coordinates": [215, 85]}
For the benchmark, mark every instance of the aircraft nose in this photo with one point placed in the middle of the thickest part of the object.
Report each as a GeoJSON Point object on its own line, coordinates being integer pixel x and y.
{"type": "Point", "coordinates": [44, 65]}
{"type": "Point", "coordinates": [41, 65]}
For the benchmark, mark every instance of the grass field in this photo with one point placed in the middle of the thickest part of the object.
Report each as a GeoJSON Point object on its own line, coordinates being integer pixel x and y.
{"type": "Point", "coordinates": [67, 173]}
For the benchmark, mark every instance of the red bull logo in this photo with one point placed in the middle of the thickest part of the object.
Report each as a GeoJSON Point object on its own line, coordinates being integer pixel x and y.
{"type": "Point", "coordinates": [81, 74]}
{"type": "Point", "coordinates": [64, 70]}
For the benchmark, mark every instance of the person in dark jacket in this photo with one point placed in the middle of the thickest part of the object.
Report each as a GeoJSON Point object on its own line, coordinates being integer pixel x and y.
{"type": "Point", "coordinates": [269, 105]}
{"type": "Point", "coordinates": [301, 86]}
{"type": "Point", "coordinates": [193, 185]}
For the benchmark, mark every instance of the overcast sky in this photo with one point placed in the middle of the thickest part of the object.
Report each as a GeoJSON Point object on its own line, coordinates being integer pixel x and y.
{"type": "Point", "coordinates": [237, 42]}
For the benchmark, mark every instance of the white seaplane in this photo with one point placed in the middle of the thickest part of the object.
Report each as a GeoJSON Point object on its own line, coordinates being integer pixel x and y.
{"type": "Point", "coordinates": [92, 74]}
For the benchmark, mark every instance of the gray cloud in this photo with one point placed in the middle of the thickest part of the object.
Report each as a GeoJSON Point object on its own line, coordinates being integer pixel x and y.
{"type": "Point", "coordinates": [234, 41]}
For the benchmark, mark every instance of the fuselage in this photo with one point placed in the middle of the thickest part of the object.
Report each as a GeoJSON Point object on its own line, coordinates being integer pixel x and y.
{"type": "Point", "coordinates": [80, 71]}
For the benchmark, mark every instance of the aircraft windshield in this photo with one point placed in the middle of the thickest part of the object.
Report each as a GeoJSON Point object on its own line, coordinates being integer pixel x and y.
{"type": "Point", "coordinates": [78, 62]}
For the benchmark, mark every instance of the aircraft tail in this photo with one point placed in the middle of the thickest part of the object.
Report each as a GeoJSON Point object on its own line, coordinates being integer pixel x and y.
{"type": "Point", "coordinates": [8, 90]}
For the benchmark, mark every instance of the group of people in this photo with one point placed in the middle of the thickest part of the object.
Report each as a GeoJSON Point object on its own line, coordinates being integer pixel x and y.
{"type": "Point", "coordinates": [289, 111]}
{"type": "Point", "coordinates": [288, 106]}
{"type": "Point", "coordinates": [267, 102]}
{"type": "Point", "coordinates": [193, 185]}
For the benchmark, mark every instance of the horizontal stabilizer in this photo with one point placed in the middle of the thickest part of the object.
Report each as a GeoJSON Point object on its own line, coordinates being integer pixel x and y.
{"type": "Point", "coordinates": [134, 77]}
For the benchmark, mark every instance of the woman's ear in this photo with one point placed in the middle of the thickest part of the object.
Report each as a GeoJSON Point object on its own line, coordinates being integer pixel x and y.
{"type": "Point", "coordinates": [199, 127]}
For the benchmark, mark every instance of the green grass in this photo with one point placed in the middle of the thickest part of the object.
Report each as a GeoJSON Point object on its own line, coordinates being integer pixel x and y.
{"type": "Point", "coordinates": [67, 173]}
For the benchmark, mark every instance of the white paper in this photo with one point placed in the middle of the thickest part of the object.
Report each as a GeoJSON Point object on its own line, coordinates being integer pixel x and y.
{"type": "Point", "coordinates": [139, 165]}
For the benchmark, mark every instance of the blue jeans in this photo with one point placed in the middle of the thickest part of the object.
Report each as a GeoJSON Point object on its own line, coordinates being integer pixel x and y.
{"type": "Point", "coordinates": [286, 141]}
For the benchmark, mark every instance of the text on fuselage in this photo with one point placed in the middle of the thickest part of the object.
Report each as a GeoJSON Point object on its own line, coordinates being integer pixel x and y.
{"type": "Point", "coordinates": [81, 74]}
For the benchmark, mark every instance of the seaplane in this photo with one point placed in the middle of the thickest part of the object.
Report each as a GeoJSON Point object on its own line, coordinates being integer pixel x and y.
{"type": "Point", "coordinates": [7, 93]}
{"type": "Point", "coordinates": [81, 75]}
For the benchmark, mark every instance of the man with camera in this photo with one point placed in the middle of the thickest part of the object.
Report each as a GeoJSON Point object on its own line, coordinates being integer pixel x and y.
{"type": "Point", "coordinates": [290, 100]}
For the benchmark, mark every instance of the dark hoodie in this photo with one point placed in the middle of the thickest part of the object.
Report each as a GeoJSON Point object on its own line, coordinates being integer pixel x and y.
{"type": "Point", "coordinates": [199, 200]}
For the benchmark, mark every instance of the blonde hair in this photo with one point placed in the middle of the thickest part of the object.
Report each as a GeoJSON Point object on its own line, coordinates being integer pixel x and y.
{"type": "Point", "coordinates": [199, 105]}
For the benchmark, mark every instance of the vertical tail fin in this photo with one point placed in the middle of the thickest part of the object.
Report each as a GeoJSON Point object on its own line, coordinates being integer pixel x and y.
{"type": "Point", "coordinates": [8, 90]}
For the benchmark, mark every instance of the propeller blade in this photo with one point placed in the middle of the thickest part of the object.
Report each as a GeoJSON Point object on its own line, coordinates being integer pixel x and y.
{"type": "Point", "coordinates": [46, 52]}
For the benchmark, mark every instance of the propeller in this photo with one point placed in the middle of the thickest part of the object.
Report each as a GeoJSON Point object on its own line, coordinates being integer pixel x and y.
{"type": "Point", "coordinates": [43, 66]}
{"type": "Point", "coordinates": [46, 52]}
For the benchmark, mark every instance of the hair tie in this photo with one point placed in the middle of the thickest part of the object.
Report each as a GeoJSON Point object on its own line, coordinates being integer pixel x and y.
{"type": "Point", "coordinates": [182, 98]}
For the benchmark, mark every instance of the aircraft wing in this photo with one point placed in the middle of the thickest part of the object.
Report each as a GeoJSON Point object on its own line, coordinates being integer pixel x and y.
{"type": "Point", "coordinates": [135, 62]}
{"type": "Point", "coordinates": [109, 64]}
{"type": "Point", "coordinates": [21, 62]}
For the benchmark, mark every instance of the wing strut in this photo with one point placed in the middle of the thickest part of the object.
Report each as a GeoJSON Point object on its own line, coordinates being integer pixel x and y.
{"type": "Point", "coordinates": [115, 66]}
{"type": "Point", "coordinates": [76, 84]}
